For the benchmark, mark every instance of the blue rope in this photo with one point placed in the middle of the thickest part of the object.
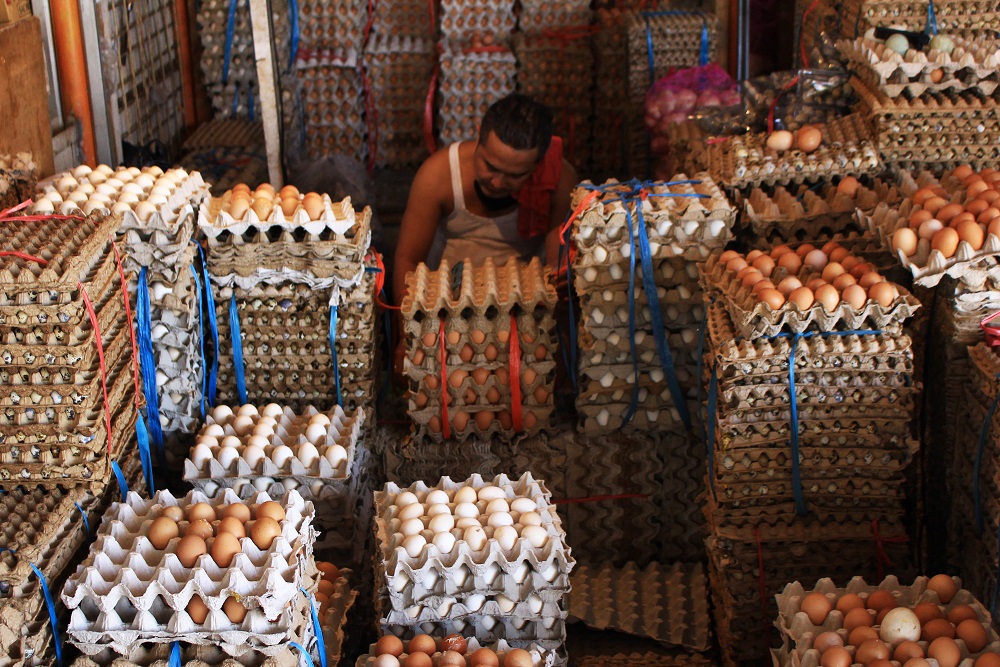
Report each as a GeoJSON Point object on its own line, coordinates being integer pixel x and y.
{"type": "Point", "coordinates": [237, 340]}
{"type": "Point", "coordinates": [293, 11]}
{"type": "Point", "coordinates": [147, 363]}
{"type": "Point", "coordinates": [53, 620]}
{"type": "Point", "coordinates": [230, 29]}
{"type": "Point", "coordinates": [213, 326]}
{"type": "Point", "coordinates": [333, 352]}
{"type": "Point", "coordinates": [250, 112]}
{"type": "Point", "coordinates": [175, 655]}
{"type": "Point", "coordinates": [932, 26]}
{"type": "Point", "coordinates": [86, 521]}
{"type": "Point", "coordinates": [201, 339]}
{"type": "Point", "coordinates": [122, 484]}
{"type": "Point", "coordinates": [634, 400]}
{"type": "Point", "coordinates": [236, 100]}
{"type": "Point", "coordinates": [145, 458]}
{"type": "Point", "coordinates": [317, 628]}
{"type": "Point", "coordinates": [303, 651]}
{"type": "Point", "coordinates": [977, 504]}
{"type": "Point", "coordinates": [703, 55]}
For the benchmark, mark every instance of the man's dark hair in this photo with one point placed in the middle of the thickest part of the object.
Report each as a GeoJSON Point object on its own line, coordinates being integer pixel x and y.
{"type": "Point", "coordinates": [520, 122]}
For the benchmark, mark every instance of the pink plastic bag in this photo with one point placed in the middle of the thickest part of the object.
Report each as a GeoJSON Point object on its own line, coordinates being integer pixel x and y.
{"type": "Point", "coordinates": [681, 92]}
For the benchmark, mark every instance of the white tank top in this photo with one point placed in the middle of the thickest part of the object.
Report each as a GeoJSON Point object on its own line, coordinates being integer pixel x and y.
{"type": "Point", "coordinates": [465, 235]}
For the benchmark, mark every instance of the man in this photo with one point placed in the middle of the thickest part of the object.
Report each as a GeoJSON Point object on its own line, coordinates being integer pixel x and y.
{"type": "Point", "coordinates": [502, 196]}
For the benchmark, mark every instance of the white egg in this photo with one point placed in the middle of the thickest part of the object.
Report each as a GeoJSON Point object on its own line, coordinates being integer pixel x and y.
{"type": "Point", "coordinates": [436, 497]}
{"type": "Point", "coordinates": [207, 440]}
{"type": "Point", "coordinates": [475, 537]}
{"type": "Point", "coordinates": [506, 604]}
{"type": "Point", "coordinates": [467, 522]}
{"type": "Point", "coordinates": [270, 421]}
{"type": "Point", "coordinates": [160, 191]}
{"type": "Point", "coordinates": [104, 169]}
{"type": "Point", "coordinates": [221, 413]}
{"type": "Point", "coordinates": [281, 455]}
{"type": "Point", "coordinates": [134, 188]}
{"type": "Point", "coordinates": [258, 441]}
{"type": "Point", "coordinates": [248, 410]}
{"type": "Point", "coordinates": [444, 542]}
{"type": "Point", "coordinates": [414, 544]}
{"type": "Point", "coordinates": [105, 189]}
{"type": "Point", "coordinates": [466, 494]}
{"type": "Point", "coordinates": [307, 454]}
{"type": "Point", "coordinates": [226, 456]}
{"type": "Point", "coordinates": [506, 537]}
{"type": "Point", "coordinates": [145, 210]}
{"type": "Point", "coordinates": [67, 183]}
{"type": "Point", "coordinates": [263, 430]}
{"type": "Point", "coordinates": [158, 200]}
{"type": "Point", "coordinates": [411, 527]}
{"type": "Point", "coordinates": [316, 434]}
{"type": "Point", "coordinates": [414, 511]}
{"type": "Point", "coordinates": [200, 455]}
{"type": "Point", "coordinates": [320, 419]}
{"type": "Point", "coordinates": [128, 198]}
{"type": "Point", "coordinates": [211, 488]}
{"type": "Point", "coordinates": [464, 510]}
{"type": "Point", "coordinates": [489, 493]}
{"type": "Point", "coordinates": [497, 505]}
{"type": "Point", "coordinates": [81, 171]}
{"type": "Point", "coordinates": [43, 206]}
{"type": "Point", "coordinates": [522, 504]}
{"type": "Point", "coordinates": [144, 181]}
{"type": "Point", "coordinates": [440, 508]}
{"type": "Point", "coordinates": [231, 441]}
{"type": "Point", "coordinates": [263, 483]}
{"type": "Point", "coordinates": [536, 535]}
{"type": "Point", "coordinates": [530, 519]}
{"type": "Point", "coordinates": [153, 171]}
{"type": "Point", "coordinates": [121, 208]}
{"type": "Point", "coordinates": [441, 523]}
{"type": "Point", "coordinates": [238, 486]}
{"type": "Point", "coordinates": [253, 454]}
{"type": "Point", "coordinates": [290, 483]}
{"type": "Point", "coordinates": [69, 208]}
{"type": "Point", "coordinates": [123, 175]}
{"type": "Point", "coordinates": [316, 488]}
{"type": "Point", "coordinates": [214, 430]}
{"type": "Point", "coordinates": [336, 455]}
{"type": "Point", "coordinates": [243, 424]}
{"type": "Point", "coordinates": [272, 410]}
{"type": "Point", "coordinates": [406, 498]}
{"type": "Point", "coordinates": [500, 519]}
{"type": "Point", "coordinates": [91, 205]}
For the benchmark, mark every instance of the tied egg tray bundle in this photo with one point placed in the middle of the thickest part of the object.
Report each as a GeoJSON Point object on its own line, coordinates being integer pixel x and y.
{"type": "Point", "coordinates": [934, 616]}
{"type": "Point", "coordinates": [333, 99]}
{"type": "Point", "coordinates": [53, 420]}
{"type": "Point", "coordinates": [486, 314]}
{"type": "Point", "coordinates": [470, 79]}
{"type": "Point", "coordinates": [509, 583]}
{"type": "Point", "coordinates": [539, 15]}
{"type": "Point", "coordinates": [383, 654]}
{"type": "Point", "coordinates": [404, 17]}
{"type": "Point", "coordinates": [192, 655]}
{"type": "Point", "coordinates": [139, 582]}
{"type": "Point", "coordinates": [325, 24]}
{"type": "Point", "coordinates": [462, 19]}
{"type": "Point", "coordinates": [751, 160]}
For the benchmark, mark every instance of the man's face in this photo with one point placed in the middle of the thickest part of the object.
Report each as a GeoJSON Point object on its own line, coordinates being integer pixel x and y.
{"type": "Point", "coordinates": [501, 170]}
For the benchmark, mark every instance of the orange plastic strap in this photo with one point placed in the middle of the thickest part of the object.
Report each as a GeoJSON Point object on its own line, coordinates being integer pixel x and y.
{"type": "Point", "coordinates": [992, 333]}
{"type": "Point", "coordinates": [514, 368]}
{"type": "Point", "coordinates": [25, 256]}
{"type": "Point", "coordinates": [577, 212]}
{"type": "Point", "coordinates": [380, 283]}
{"type": "Point", "coordinates": [100, 355]}
{"type": "Point", "coordinates": [445, 426]}
{"type": "Point", "coordinates": [128, 318]}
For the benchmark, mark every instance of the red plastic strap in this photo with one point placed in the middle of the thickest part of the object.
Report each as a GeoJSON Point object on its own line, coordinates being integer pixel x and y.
{"type": "Point", "coordinates": [598, 499]}
{"type": "Point", "coordinates": [128, 318]}
{"type": "Point", "coordinates": [992, 333]}
{"type": "Point", "coordinates": [571, 32]}
{"type": "Point", "coordinates": [100, 355]}
{"type": "Point", "coordinates": [445, 426]}
{"type": "Point", "coordinates": [802, 49]}
{"type": "Point", "coordinates": [380, 283]}
{"type": "Point", "coordinates": [7, 215]}
{"type": "Point", "coordinates": [882, 559]}
{"type": "Point", "coordinates": [25, 256]}
{"type": "Point", "coordinates": [514, 369]}
{"type": "Point", "coordinates": [577, 212]}
{"type": "Point", "coordinates": [762, 591]}
{"type": "Point", "coordinates": [429, 106]}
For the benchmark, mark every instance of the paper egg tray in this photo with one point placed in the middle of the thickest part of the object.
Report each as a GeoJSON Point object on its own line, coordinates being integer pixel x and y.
{"type": "Point", "coordinates": [673, 600]}
{"type": "Point", "coordinates": [669, 272]}
{"type": "Point", "coordinates": [754, 319]}
{"type": "Point", "coordinates": [404, 17]}
{"type": "Point", "coordinates": [952, 15]}
{"type": "Point", "coordinates": [557, 70]}
{"type": "Point", "coordinates": [522, 571]}
{"type": "Point", "coordinates": [437, 610]}
{"type": "Point", "coordinates": [18, 174]}
{"type": "Point", "coordinates": [537, 15]}
{"type": "Point", "coordinates": [469, 82]}
{"type": "Point", "coordinates": [126, 585]}
{"type": "Point", "coordinates": [332, 23]}
{"type": "Point", "coordinates": [462, 18]}
{"type": "Point", "coordinates": [539, 656]}
{"type": "Point", "coordinates": [547, 634]}
{"type": "Point", "coordinates": [673, 224]}
{"type": "Point", "coordinates": [337, 222]}
{"type": "Point", "coordinates": [333, 104]}
{"type": "Point", "coordinates": [192, 655]}
{"type": "Point", "coordinates": [607, 312]}
{"type": "Point", "coordinates": [673, 40]}
{"type": "Point", "coordinates": [798, 633]}
{"type": "Point", "coordinates": [212, 20]}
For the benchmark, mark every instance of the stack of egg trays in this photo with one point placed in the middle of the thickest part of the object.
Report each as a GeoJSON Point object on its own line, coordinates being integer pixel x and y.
{"type": "Point", "coordinates": [539, 656]}
{"type": "Point", "coordinates": [331, 24]}
{"type": "Point", "coordinates": [791, 549]}
{"type": "Point", "coordinates": [192, 655]}
{"type": "Point", "coordinates": [856, 402]}
{"type": "Point", "coordinates": [399, 68]}
{"type": "Point", "coordinates": [557, 70]}
{"type": "Point", "coordinates": [18, 173]}
{"type": "Point", "coordinates": [53, 426]}
{"type": "Point", "coordinates": [798, 633]}
{"type": "Point", "coordinates": [413, 592]}
{"type": "Point", "coordinates": [405, 17]}
{"type": "Point", "coordinates": [333, 101]}
{"type": "Point", "coordinates": [538, 15]}
{"type": "Point", "coordinates": [681, 231]}
{"type": "Point", "coordinates": [235, 91]}
{"type": "Point", "coordinates": [461, 19]}
{"type": "Point", "coordinates": [937, 131]}
{"type": "Point", "coordinates": [655, 44]}
{"type": "Point", "coordinates": [327, 487]}
{"type": "Point", "coordinates": [470, 304]}
{"type": "Point", "coordinates": [409, 459]}
{"type": "Point", "coordinates": [469, 81]}
{"type": "Point", "coordinates": [127, 592]}
{"type": "Point", "coordinates": [953, 16]}
{"type": "Point", "coordinates": [359, 332]}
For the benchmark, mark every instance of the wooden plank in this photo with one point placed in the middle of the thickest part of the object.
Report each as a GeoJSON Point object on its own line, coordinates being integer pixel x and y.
{"type": "Point", "coordinates": [267, 80]}
{"type": "Point", "coordinates": [722, 14]}
{"type": "Point", "coordinates": [24, 101]}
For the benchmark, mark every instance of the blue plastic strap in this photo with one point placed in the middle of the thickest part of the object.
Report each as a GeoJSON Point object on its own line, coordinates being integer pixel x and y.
{"type": "Point", "coordinates": [932, 26]}
{"type": "Point", "coordinates": [250, 113]}
{"type": "Point", "coordinates": [230, 29]}
{"type": "Point", "coordinates": [703, 55]}
{"type": "Point", "coordinates": [53, 620]}
{"type": "Point", "coordinates": [201, 338]}
{"type": "Point", "coordinates": [333, 351]}
{"type": "Point", "coordinates": [977, 504]}
{"type": "Point", "coordinates": [86, 521]}
{"type": "Point", "coordinates": [175, 655]}
{"type": "Point", "coordinates": [3, 549]}
{"type": "Point", "coordinates": [147, 363]}
{"type": "Point", "coordinates": [145, 457]}
{"type": "Point", "coordinates": [317, 628]}
{"type": "Point", "coordinates": [293, 12]}
{"type": "Point", "coordinates": [213, 327]}
{"type": "Point", "coordinates": [634, 400]}
{"type": "Point", "coordinates": [713, 397]}
{"type": "Point", "coordinates": [303, 651]}
{"type": "Point", "coordinates": [236, 100]}
{"type": "Point", "coordinates": [237, 340]}
{"type": "Point", "coordinates": [649, 53]}
{"type": "Point", "coordinates": [122, 484]}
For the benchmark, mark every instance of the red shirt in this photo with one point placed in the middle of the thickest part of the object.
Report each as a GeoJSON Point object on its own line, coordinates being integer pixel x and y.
{"type": "Point", "coordinates": [534, 199]}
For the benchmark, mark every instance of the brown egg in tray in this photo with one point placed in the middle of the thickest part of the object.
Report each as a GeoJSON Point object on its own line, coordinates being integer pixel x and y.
{"type": "Point", "coordinates": [329, 23]}
{"type": "Point", "coordinates": [459, 18]}
{"type": "Point", "coordinates": [537, 16]}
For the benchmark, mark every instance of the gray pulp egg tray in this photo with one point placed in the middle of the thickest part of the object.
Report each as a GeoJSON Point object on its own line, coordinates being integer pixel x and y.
{"type": "Point", "coordinates": [192, 655]}
{"type": "Point", "coordinates": [676, 225]}
{"type": "Point", "coordinates": [538, 15]}
{"type": "Point", "coordinates": [546, 634]}
{"type": "Point", "coordinates": [18, 174]}
{"type": "Point", "coordinates": [539, 656]}
{"type": "Point", "coordinates": [469, 81]}
{"type": "Point", "coordinates": [127, 591]}
{"type": "Point", "coordinates": [559, 72]}
{"type": "Point", "coordinates": [753, 318]}
{"type": "Point", "coordinates": [338, 223]}
{"type": "Point", "coordinates": [668, 271]}
{"type": "Point", "coordinates": [460, 18]}
{"type": "Point", "coordinates": [329, 23]}
{"type": "Point", "coordinates": [608, 311]}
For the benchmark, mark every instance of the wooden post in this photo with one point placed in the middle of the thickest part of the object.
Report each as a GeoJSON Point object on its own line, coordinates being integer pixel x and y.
{"type": "Point", "coordinates": [72, 61]}
{"type": "Point", "coordinates": [267, 79]}
{"type": "Point", "coordinates": [24, 102]}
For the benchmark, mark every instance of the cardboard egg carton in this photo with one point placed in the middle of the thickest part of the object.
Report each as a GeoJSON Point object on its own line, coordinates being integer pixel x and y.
{"type": "Point", "coordinates": [489, 571]}
{"type": "Point", "coordinates": [674, 224]}
{"type": "Point", "coordinates": [847, 149]}
{"type": "Point", "coordinates": [798, 633]}
{"type": "Point", "coordinates": [332, 24]}
{"type": "Point", "coordinates": [670, 272]}
{"type": "Point", "coordinates": [538, 15]}
{"type": "Point", "coordinates": [469, 81]}
{"type": "Point", "coordinates": [545, 634]}
{"type": "Point", "coordinates": [18, 174]}
{"type": "Point", "coordinates": [952, 15]}
{"type": "Point", "coordinates": [192, 655]}
{"type": "Point", "coordinates": [607, 312]}
{"type": "Point", "coordinates": [539, 656]}
{"type": "Point", "coordinates": [461, 19]}
{"type": "Point", "coordinates": [333, 223]}
{"type": "Point", "coordinates": [669, 40]}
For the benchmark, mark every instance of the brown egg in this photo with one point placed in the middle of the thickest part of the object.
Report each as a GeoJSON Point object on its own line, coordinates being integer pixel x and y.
{"type": "Point", "coordinates": [789, 285]}
{"type": "Point", "coordinates": [763, 284]}
{"type": "Point", "coordinates": [491, 352]}
{"type": "Point", "coordinates": [816, 260]}
{"type": "Point", "coordinates": [484, 657]}
{"type": "Point", "coordinates": [825, 640]}
{"type": "Point", "coordinates": [422, 644]}
{"type": "Point", "coordinates": [975, 189]}
{"type": "Point", "coordinates": [987, 660]}
{"type": "Point", "coordinates": [976, 206]}
{"type": "Point", "coordinates": [804, 250]}
{"type": "Point", "coordinates": [455, 643]}
{"type": "Point", "coordinates": [329, 571]}
{"type": "Point", "coordinates": [451, 659]}
{"type": "Point", "coordinates": [944, 586]}
{"type": "Point", "coordinates": [843, 281]}
{"type": "Point", "coordinates": [829, 297]}
{"type": "Point", "coordinates": [945, 241]}
{"type": "Point", "coordinates": [871, 650]}
{"type": "Point", "coordinates": [836, 656]}
{"type": "Point", "coordinates": [240, 187]}
{"type": "Point", "coordinates": [880, 663]}
{"type": "Point", "coordinates": [459, 420]}
{"type": "Point", "coordinates": [453, 337]}
{"type": "Point", "coordinates": [922, 195]}
{"type": "Point", "coordinates": [431, 381]}
{"type": "Point", "coordinates": [860, 269]}
{"type": "Point", "coordinates": [418, 660]}
{"type": "Point", "coordinates": [420, 400]}
{"type": "Point", "coordinates": [870, 279]}
{"type": "Point", "coordinates": [948, 212]}
{"type": "Point", "coordinates": [200, 528]}
{"type": "Point", "coordinates": [815, 284]}
{"type": "Point", "coordinates": [326, 587]}
{"type": "Point", "coordinates": [480, 376]}
{"type": "Point", "coordinates": [466, 353]}
{"type": "Point", "coordinates": [917, 662]}
{"type": "Point", "coordinates": [161, 531]}
{"type": "Point", "coordinates": [971, 632]}
{"type": "Point", "coordinates": [778, 251]}
{"type": "Point", "coordinates": [855, 296]}
{"type": "Point", "coordinates": [234, 611]}
{"type": "Point", "coordinates": [751, 278]}
{"type": "Point", "coordinates": [960, 612]}
{"type": "Point", "coordinates": [263, 532]}
{"type": "Point", "coordinates": [858, 617]}
{"type": "Point", "coordinates": [918, 218]}
{"type": "Point", "coordinates": [773, 298]}
{"type": "Point", "coordinates": [927, 611]}
{"type": "Point", "coordinates": [802, 297]}
{"type": "Point", "coordinates": [849, 601]}
{"type": "Point", "coordinates": [990, 195]}
{"type": "Point", "coordinates": [736, 264]}
{"type": "Point", "coordinates": [541, 352]}
{"type": "Point", "coordinates": [528, 376]}
{"type": "Point", "coordinates": [323, 602]}
{"type": "Point", "coordinates": [541, 395]}
{"type": "Point", "coordinates": [270, 509]}
{"type": "Point", "coordinates": [201, 511]}
{"type": "Point", "coordinates": [861, 634]}
{"type": "Point", "coordinates": [224, 547]}
{"type": "Point", "coordinates": [849, 263]}
{"type": "Point", "coordinates": [884, 293]}
{"type": "Point", "coordinates": [457, 377]}
{"type": "Point", "coordinates": [905, 239]}
{"type": "Point", "coordinates": [790, 262]}
{"type": "Point", "coordinates": [238, 510]}
{"type": "Point", "coordinates": [939, 627]}
{"type": "Point", "coordinates": [483, 419]}
{"type": "Point", "coordinates": [501, 374]}
{"type": "Point", "coordinates": [839, 255]}
{"type": "Point", "coordinates": [848, 186]}
{"type": "Point", "coordinates": [190, 549]}
{"type": "Point", "coordinates": [987, 216]}
{"type": "Point", "coordinates": [197, 609]}
{"type": "Point", "coordinates": [780, 140]}
{"type": "Point", "coordinates": [173, 512]}
{"type": "Point", "coordinates": [994, 227]}
{"type": "Point", "coordinates": [962, 171]}
{"type": "Point", "coordinates": [288, 206]}
{"type": "Point", "coordinates": [232, 525]}
{"type": "Point", "coordinates": [261, 207]}
{"type": "Point", "coordinates": [517, 657]}
{"type": "Point", "coordinates": [238, 208]}
{"type": "Point", "coordinates": [434, 424]}
{"type": "Point", "coordinates": [816, 606]}
{"type": "Point", "coordinates": [765, 265]}
{"type": "Point", "coordinates": [809, 139]}
{"type": "Point", "coordinates": [313, 208]}
{"type": "Point", "coordinates": [906, 650]}
{"type": "Point", "coordinates": [832, 270]}
{"type": "Point", "coordinates": [506, 419]}
{"type": "Point", "coordinates": [945, 651]}
{"type": "Point", "coordinates": [390, 645]}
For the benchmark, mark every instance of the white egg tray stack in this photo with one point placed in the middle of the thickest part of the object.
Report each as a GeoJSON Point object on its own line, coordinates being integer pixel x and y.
{"type": "Point", "coordinates": [127, 592]}
{"type": "Point", "coordinates": [482, 306]}
{"type": "Point", "coordinates": [314, 449]}
{"type": "Point", "coordinates": [538, 15]}
{"type": "Point", "coordinates": [539, 657]}
{"type": "Point", "coordinates": [333, 102]}
{"type": "Point", "coordinates": [400, 68]}
{"type": "Point", "coordinates": [18, 173]}
{"type": "Point", "coordinates": [331, 24]}
{"type": "Point", "coordinates": [469, 81]}
{"type": "Point", "coordinates": [461, 19]}
{"type": "Point", "coordinates": [504, 593]}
